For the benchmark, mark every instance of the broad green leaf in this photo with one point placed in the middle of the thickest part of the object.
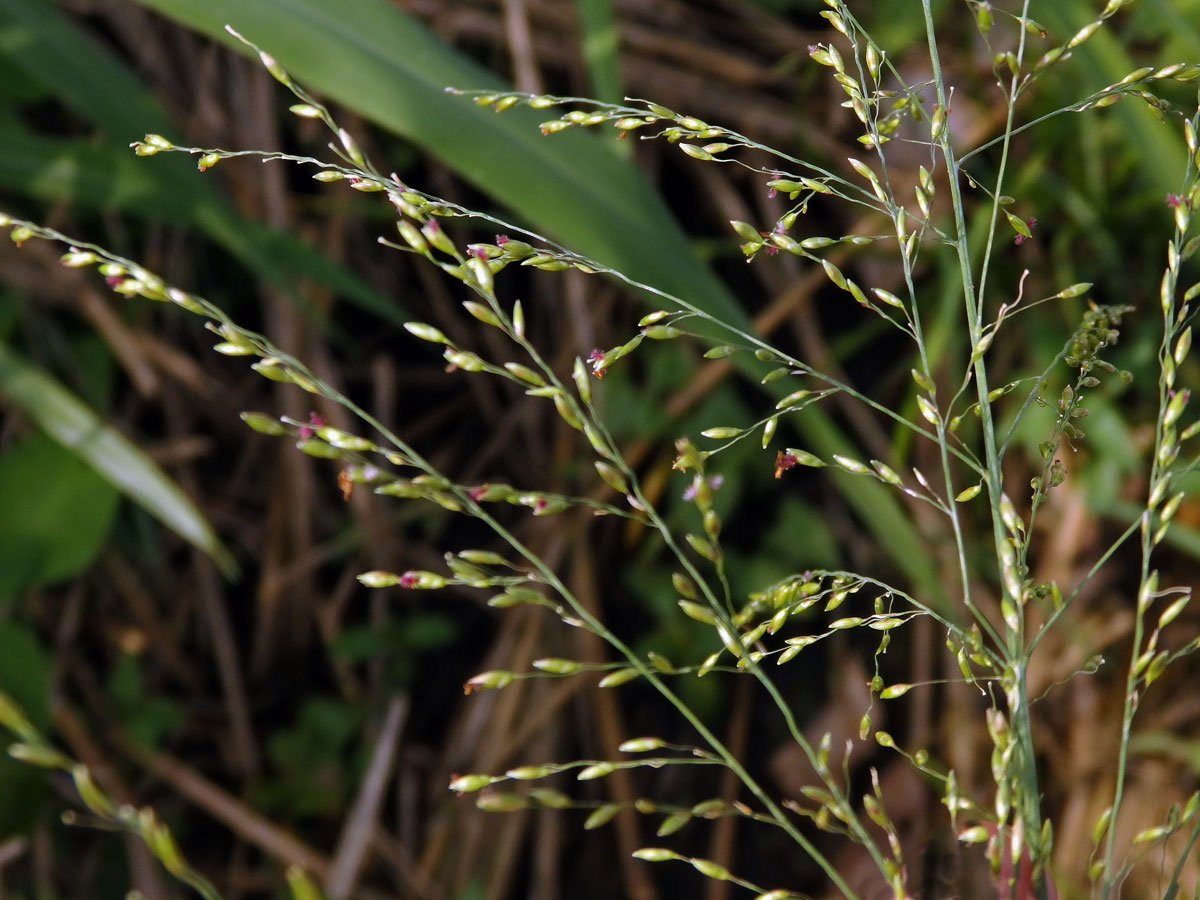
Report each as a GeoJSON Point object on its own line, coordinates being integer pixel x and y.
{"type": "Point", "coordinates": [74, 425]}
{"type": "Point", "coordinates": [55, 516]}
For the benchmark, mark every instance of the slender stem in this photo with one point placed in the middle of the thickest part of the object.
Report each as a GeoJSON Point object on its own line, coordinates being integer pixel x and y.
{"type": "Point", "coordinates": [1010, 580]}
{"type": "Point", "coordinates": [1110, 880]}
{"type": "Point", "coordinates": [1160, 479]}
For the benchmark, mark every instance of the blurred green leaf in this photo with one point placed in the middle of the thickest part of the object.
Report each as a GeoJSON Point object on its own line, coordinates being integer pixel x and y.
{"type": "Point", "coordinates": [45, 44]}
{"type": "Point", "coordinates": [399, 644]}
{"type": "Point", "coordinates": [144, 718]}
{"type": "Point", "coordinates": [311, 759]}
{"type": "Point", "coordinates": [1175, 22]}
{"type": "Point", "coordinates": [601, 45]}
{"type": "Point", "coordinates": [74, 425]}
{"type": "Point", "coordinates": [55, 516]}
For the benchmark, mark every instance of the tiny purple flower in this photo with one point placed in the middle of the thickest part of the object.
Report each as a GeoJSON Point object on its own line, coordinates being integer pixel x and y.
{"type": "Point", "coordinates": [595, 358]}
{"type": "Point", "coordinates": [315, 421]}
{"type": "Point", "coordinates": [714, 483]}
{"type": "Point", "coordinates": [1020, 238]}
{"type": "Point", "coordinates": [783, 462]}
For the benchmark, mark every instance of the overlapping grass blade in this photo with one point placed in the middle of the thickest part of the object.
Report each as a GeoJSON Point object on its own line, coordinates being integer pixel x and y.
{"type": "Point", "coordinates": [73, 424]}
